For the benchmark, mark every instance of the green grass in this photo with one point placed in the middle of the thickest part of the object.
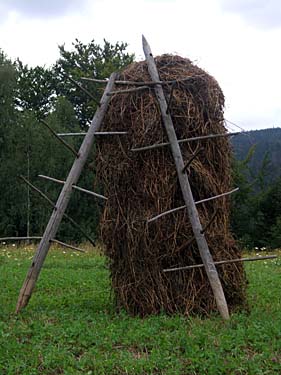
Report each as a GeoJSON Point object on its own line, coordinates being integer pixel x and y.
{"type": "Point", "coordinates": [70, 326]}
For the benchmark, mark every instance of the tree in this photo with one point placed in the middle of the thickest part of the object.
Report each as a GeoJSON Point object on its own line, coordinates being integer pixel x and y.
{"type": "Point", "coordinates": [39, 87]}
{"type": "Point", "coordinates": [7, 96]}
{"type": "Point", "coordinates": [8, 121]}
{"type": "Point", "coordinates": [88, 60]}
{"type": "Point", "coordinates": [242, 206]}
{"type": "Point", "coordinates": [247, 216]}
{"type": "Point", "coordinates": [270, 207]}
{"type": "Point", "coordinates": [27, 148]}
{"type": "Point", "coordinates": [36, 89]}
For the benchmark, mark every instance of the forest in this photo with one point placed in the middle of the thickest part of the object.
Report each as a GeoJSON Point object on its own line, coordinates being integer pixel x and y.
{"type": "Point", "coordinates": [32, 96]}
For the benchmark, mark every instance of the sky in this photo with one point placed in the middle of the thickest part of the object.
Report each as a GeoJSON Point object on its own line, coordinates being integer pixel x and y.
{"type": "Point", "coordinates": [236, 41]}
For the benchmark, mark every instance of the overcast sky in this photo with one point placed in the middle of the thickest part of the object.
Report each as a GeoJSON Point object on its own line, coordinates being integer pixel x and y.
{"type": "Point", "coordinates": [237, 41]}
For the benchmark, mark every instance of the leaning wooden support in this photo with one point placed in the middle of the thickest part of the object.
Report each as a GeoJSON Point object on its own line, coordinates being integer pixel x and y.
{"type": "Point", "coordinates": [253, 259]}
{"type": "Point", "coordinates": [74, 186]}
{"type": "Point", "coordinates": [76, 225]}
{"type": "Point", "coordinates": [62, 202]}
{"type": "Point", "coordinates": [186, 190]}
{"type": "Point", "coordinates": [69, 147]}
{"type": "Point", "coordinates": [202, 137]}
{"type": "Point", "coordinates": [197, 202]}
{"type": "Point", "coordinates": [39, 238]}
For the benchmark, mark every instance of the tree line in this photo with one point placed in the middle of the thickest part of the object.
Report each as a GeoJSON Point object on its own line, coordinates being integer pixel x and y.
{"type": "Point", "coordinates": [31, 94]}
{"type": "Point", "coordinates": [256, 208]}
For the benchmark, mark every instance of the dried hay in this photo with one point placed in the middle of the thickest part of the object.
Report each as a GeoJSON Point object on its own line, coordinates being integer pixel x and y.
{"type": "Point", "coordinates": [141, 185]}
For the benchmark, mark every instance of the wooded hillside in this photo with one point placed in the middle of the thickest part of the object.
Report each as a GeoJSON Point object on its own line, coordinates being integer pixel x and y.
{"type": "Point", "coordinates": [267, 152]}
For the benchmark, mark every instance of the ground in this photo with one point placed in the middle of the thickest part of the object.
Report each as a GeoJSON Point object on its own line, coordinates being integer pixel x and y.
{"type": "Point", "coordinates": [70, 325]}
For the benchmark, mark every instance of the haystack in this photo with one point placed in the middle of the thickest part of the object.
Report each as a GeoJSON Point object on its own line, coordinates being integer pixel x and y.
{"type": "Point", "coordinates": [140, 185]}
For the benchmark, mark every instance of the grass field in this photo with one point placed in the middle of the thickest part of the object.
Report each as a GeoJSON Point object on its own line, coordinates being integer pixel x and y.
{"type": "Point", "coordinates": [70, 326]}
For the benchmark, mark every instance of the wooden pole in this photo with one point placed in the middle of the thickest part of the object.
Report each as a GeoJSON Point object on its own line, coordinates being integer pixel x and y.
{"type": "Point", "coordinates": [128, 90]}
{"type": "Point", "coordinates": [62, 202]}
{"type": "Point", "coordinates": [28, 238]}
{"type": "Point", "coordinates": [217, 196]}
{"type": "Point", "coordinates": [184, 206]}
{"type": "Point", "coordinates": [150, 83]}
{"type": "Point", "coordinates": [74, 186]}
{"type": "Point", "coordinates": [97, 133]}
{"type": "Point", "coordinates": [73, 222]}
{"type": "Point", "coordinates": [69, 147]}
{"type": "Point", "coordinates": [201, 137]}
{"type": "Point", "coordinates": [82, 89]}
{"type": "Point", "coordinates": [253, 259]}
{"type": "Point", "coordinates": [185, 187]}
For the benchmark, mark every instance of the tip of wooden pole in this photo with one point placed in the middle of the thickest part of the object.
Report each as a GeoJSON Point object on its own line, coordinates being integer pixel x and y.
{"type": "Point", "coordinates": [144, 41]}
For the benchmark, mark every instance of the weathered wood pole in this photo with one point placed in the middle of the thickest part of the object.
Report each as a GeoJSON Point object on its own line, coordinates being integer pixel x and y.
{"type": "Point", "coordinates": [63, 200]}
{"type": "Point", "coordinates": [185, 187]}
{"type": "Point", "coordinates": [239, 260]}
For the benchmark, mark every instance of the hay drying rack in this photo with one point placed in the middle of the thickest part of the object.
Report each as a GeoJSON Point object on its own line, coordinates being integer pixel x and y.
{"type": "Point", "coordinates": [80, 159]}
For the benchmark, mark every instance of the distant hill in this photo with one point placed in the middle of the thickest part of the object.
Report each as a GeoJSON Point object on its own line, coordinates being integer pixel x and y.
{"type": "Point", "coordinates": [268, 142]}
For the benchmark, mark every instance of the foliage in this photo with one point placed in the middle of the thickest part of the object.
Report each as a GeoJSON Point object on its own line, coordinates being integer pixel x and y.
{"type": "Point", "coordinates": [88, 60]}
{"type": "Point", "coordinates": [245, 217]}
{"type": "Point", "coordinates": [256, 208]}
{"type": "Point", "coordinates": [7, 95]}
{"type": "Point", "coordinates": [270, 207]}
{"type": "Point", "coordinates": [71, 327]}
{"type": "Point", "coordinates": [267, 142]}
{"type": "Point", "coordinates": [35, 89]}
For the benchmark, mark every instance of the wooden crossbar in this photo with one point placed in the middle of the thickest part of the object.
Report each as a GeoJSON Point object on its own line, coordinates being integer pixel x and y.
{"type": "Point", "coordinates": [202, 137]}
{"type": "Point", "coordinates": [97, 133]}
{"type": "Point", "coordinates": [74, 186]}
{"type": "Point", "coordinates": [149, 83]}
{"type": "Point", "coordinates": [128, 90]}
{"type": "Point", "coordinates": [221, 262]}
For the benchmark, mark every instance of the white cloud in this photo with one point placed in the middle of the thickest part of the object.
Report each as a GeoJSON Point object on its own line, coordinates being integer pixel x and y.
{"type": "Point", "coordinates": [244, 60]}
{"type": "Point", "coordinates": [259, 13]}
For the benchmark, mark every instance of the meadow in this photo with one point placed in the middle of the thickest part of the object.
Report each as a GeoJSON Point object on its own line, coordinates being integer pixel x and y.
{"type": "Point", "coordinates": [71, 327]}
